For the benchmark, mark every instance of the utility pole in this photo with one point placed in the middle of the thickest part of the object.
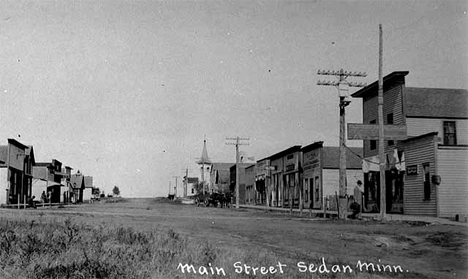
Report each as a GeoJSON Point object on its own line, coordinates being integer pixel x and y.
{"type": "Point", "coordinates": [175, 188]}
{"type": "Point", "coordinates": [382, 160]}
{"type": "Point", "coordinates": [185, 181]}
{"type": "Point", "coordinates": [343, 89]}
{"type": "Point", "coordinates": [237, 143]}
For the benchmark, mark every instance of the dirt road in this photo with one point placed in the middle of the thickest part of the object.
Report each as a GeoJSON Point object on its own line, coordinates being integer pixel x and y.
{"type": "Point", "coordinates": [421, 250]}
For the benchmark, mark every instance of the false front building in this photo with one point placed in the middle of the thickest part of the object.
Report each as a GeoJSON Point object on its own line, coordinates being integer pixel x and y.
{"type": "Point", "coordinates": [426, 173]}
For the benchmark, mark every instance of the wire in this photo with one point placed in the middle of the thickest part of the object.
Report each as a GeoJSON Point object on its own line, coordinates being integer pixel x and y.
{"type": "Point", "coordinates": [364, 159]}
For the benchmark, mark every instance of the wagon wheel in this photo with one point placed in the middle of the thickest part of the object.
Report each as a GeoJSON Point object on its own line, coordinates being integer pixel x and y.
{"type": "Point", "coordinates": [197, 202]}
{"type": "Point", "coordinates": [207, 203]}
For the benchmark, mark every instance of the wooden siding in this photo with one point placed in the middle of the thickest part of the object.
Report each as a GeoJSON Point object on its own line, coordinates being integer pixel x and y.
{"type": "Point", "coordinates": [419, 152]}
{"type": "Point", "coordinates": [453, 190]}
{"type": "Point", "coordinates": [393, 103]}
{"type": "Point", "coordinates": [3, 185]}
{"type": "Point", "coordinates": [420, 126]}
{"type": "Point", "coordinates": [331, 181]}
{"type": "Point", "coordinates": [312, 167]}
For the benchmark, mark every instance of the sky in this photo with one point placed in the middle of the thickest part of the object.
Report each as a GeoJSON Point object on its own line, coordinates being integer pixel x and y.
{"type": "Point", "coordinates": [126, 91]}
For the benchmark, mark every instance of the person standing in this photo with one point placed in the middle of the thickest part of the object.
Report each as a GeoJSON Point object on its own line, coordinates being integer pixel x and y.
{"type": "Point", "coordinates": [358, 203]}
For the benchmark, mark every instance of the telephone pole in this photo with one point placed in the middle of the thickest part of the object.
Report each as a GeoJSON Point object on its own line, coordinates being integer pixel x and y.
{"type": "Point", "coordinates": [237, 143]}
{"type": "Point", "coordinates": [185, 181]}
{"type": "Point", "coordinates": [343, 89]}
{"type": "Point", "coordinates": [175, 188]}
{"type": "Point", "coordinates": [382, 160]}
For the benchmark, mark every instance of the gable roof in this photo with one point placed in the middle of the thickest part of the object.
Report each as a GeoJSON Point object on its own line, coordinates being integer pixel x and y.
{"type": "Point", "coordinates": [436, 102]}
{"type": "Point", "coordinates": [372, 89]}
{"type": "Point", "coordinates": [221, 166]}
{"type": "Point", "coordinates": [223, 176]}
{"type": "Point", "coordinates": [331, 157]}
{"type": "Point", "coordinates": [241, 166]}
{"type": "Point", "coordinates": [88, 181]}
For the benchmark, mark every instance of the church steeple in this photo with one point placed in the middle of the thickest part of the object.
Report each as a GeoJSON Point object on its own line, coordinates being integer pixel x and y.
{"type": "Point", "coordinates": [204, 160]}
{"type": "Point", "coordinates": [204, 157]}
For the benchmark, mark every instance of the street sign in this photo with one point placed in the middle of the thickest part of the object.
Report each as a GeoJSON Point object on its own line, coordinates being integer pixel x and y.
{"type": "Point", "coordinates": [358, 131]}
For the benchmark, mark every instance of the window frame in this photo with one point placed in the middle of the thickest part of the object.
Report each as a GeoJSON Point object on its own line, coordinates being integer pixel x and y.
{"type": "Point", "coordinates": [446, 126]}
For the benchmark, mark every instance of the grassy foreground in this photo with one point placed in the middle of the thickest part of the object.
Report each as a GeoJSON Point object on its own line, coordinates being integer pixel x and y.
{"type": "Point", "coordinates": [68, 249]}
{"type": "Point", "coordinates": [71, 250]}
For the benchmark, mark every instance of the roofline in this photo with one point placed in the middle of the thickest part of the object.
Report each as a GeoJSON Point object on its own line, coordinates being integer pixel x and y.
{"type": "Point", "coordinates": [311, 146]}
{"type": "Point", "coordinates": [360, 93]}
{"type": "Point", "coordinates": [17, 143]}
{"type": "Point", "coordinates": [264, 159]}
{"type": "Point", "coordinates": [421, 136]}
{"type": "Point", "coordinates": [286, 151]}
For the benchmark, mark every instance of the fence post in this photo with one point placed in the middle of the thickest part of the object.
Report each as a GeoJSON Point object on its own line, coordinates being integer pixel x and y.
{"type": "Point", "coordinates": [24, 201]}
{"type": "Point", "coordinates": [324, 207]}
{"type": "Point", "coordinates": [18, 201]}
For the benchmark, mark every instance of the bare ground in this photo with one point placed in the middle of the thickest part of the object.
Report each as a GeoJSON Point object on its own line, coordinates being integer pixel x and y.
{"type": "Point", "coordinates": [422, 250]}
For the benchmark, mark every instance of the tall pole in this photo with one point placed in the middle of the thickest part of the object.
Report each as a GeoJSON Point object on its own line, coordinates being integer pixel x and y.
{"type": "Point", "coordinates": [343, 88]}
{"type": "Point", "coordinates": [382, 160]}
{"type": "Point", "coordinates": [175, 188]}
{"type": "Point", "coordinates": [237, 143]}
{"type": "Point", "coordinates": [185, 182]}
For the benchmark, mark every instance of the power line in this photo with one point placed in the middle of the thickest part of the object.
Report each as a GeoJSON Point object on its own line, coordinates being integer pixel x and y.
{"type": "Point", "coordinates": [343, 89]}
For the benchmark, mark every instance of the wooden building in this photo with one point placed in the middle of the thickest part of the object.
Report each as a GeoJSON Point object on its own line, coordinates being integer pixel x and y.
{"type": "Point", "coordinates": [286, 180]}
{"type": "Point", "coordinates": [219, 177]}
{"type": "Point", "coordinates": [88, 188]}
{"type": "Point", "coordinates": [242, 180]}
{"type": "Point", "coordinates": [250, 191]}
{"type": "Point", "coordinates": [263, 194]}
{"type": "Point", "coordinates": [321, 172]}
{"type": "Point", "coordinates": [426, 174]}
{"type": "Point", "coordinates": [78, 187]}
{"type": "Point", "coordinates": [48, 179]}
{"type": "Point", "coordinates": [16, 161]}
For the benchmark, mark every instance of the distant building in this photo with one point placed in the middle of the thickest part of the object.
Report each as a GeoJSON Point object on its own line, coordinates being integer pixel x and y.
{"type": "Point", "coordinates": [426, 174]}
{"type": "Point", "coordinates": [48, 179]}
{"type": "Point", "coordinates": [190, 184]}
{"type": "Point", "coordinates": [219, 177]}
{"type": "Point", "coordinates": [242, 181]}
{"type": "Point", "coordinates": [285, 179]}
{"type": "Point", "coordinates": [88, 188]}
{"type": "Point", "coordinates": [250, 191]}
{"type": "Point", "coordinates": [78, 187]}
{"type": "Point", "coordinates": [262, 174]}
{"type": "Point", "coordinates": [16, 161]}
{"type": "Point", "coordinates": [321, 165]}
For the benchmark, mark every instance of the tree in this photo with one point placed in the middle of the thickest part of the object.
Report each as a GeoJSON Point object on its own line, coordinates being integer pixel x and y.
{"type": "Point", "coordinates": [96, 192]}
{"type": "Point", "coordinates": [116, 191]}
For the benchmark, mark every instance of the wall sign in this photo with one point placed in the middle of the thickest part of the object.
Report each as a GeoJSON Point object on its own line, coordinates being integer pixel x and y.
{"type": "Point", "coordinates": [412, 170]}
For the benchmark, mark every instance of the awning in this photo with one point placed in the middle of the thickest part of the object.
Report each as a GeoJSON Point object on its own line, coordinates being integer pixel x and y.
{"type": "Point", "coordinates": [392, 161]}
{"type": "Point", "coordinates": [53, 183]}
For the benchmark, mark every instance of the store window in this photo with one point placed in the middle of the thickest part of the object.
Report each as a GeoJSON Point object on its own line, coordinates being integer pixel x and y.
{"type": "Point", "coordinates": [450, 133]}
{"type": "Point", "coordinates": [427, 182]}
